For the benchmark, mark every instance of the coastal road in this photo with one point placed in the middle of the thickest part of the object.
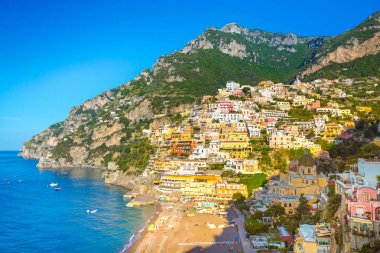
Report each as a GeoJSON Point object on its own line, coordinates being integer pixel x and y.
{"type": "Point", "coordinates": [246, 244]}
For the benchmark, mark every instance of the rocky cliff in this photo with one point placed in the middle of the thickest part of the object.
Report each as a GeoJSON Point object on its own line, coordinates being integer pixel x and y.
{"type": "Point", "coordinates": [361, 41]}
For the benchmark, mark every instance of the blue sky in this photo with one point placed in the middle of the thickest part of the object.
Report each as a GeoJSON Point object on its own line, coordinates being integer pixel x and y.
{"type": "Point", "coordinates": [57, 54]}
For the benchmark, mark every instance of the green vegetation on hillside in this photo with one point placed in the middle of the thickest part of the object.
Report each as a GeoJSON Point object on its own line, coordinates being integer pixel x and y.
{"type": "Point", "coordinates": [132, 156]}
{"type": "Point", "coordinates": [253, 181]}
{"type": "Point", "coordinates": [361, 67]}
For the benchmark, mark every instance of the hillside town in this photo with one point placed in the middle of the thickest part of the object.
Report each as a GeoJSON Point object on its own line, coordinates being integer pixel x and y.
{"type": "Point", "coordinates": [265, 150]}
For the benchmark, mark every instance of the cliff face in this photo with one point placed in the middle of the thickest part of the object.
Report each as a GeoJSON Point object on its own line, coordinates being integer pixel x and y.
{"type": "Point", "coordinates": [359, 42]}
{"type": "Point", "coordinates": [83, 138]}
{"type": "Point", "coordinates": [347, 53]}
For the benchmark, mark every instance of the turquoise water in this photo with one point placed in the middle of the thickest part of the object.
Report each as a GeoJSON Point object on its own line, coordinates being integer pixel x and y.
{"type": "Point", "coordinates": [36, 218]}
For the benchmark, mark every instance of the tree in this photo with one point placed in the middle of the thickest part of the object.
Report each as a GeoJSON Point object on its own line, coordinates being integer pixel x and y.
{"type": "Point", "coordinates": [247, 91]}
{"type": "Point", "coordinates": [252, 226]}
{"type": "Point", "coordinates": [302, 211]}
{"type": "Point", "coordinates": [257, 215]}
{"type": "Point", "coordinates": [275, 211]}
{"type": "Point", "coordinates": [238, 198]}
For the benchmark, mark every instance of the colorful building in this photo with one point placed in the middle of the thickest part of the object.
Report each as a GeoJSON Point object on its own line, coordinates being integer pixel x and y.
{"type": "Point", "coordinates": [301, 178]}
{"type": "Point", "coordinates": [280, 140]}
{"type": "Point", "coordinates": [183, 147]}
{"type": "Point", "coordinates": [313, 239]}
{"type": "Point", "coordinates": [226, 191]}
{"type": "Point", "coordinates": [333, 130]}
{"type": "Point", "coordinates": [189, 185]}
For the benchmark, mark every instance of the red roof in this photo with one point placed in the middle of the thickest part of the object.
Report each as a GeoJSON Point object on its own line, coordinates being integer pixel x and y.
{"type": "Point", "coordinates": [330, 183]}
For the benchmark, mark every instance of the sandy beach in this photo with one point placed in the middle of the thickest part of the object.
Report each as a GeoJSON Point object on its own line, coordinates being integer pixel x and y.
{"type": "Point", "coordinates": [178, 229]}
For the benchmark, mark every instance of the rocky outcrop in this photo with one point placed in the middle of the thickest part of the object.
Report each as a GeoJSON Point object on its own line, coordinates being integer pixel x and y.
{"type": "Point", "coordinates": [137, 184]}
{"type": "Point", "coordinates": [141, 111]}
{"type": "Point", "coordinates": [346, 53]}
{"type": "Point", "coordinates": [172, 79]}
{"type": "Point", "coordinates": [120, 178]}
{"type": "Point", "coordinates": [199, 43]}
{"type": "Point", "coordinates": [234, 49]}
{"type": "Point", "coordinates": [237, 49]}
{"type": "Point", "coordinates": [234, 28]}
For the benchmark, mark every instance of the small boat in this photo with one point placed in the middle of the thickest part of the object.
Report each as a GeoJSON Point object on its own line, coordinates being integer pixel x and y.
{"type": "Point", "coordinates": [92, 211]}
{"type": "Point", "coordinates": [53, 184]}
{"type": "Point", "coordinates": [57, 188]}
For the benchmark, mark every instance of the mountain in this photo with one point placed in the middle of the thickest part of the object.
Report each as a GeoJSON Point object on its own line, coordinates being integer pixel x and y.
{"type": "Point", "coordinates": [355, 53]}
{"type": "Point", "coordinates": [109, 126]}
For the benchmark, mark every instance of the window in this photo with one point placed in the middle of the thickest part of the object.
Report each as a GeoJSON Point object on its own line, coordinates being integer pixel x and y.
{"type": "Point", "coordinates": [366, 197]}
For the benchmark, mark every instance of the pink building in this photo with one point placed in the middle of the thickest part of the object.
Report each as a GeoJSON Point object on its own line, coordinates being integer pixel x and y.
{"type": "Point", "coordinates": [364, 212]}
{"type": "Point", "coordinates": [226, 106]}
{"type": "Point", "coordinates": [237, 93]}
{"type": "Point", "coordinates": [364, 204]}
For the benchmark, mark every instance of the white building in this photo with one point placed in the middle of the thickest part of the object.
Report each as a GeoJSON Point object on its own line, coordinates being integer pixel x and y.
{"type": "Point", "coordinates": [369, 169]}
{"type": "Point", "coordinates": [199, 153]}
{"type": "Point", "coordinates": [230, 85]}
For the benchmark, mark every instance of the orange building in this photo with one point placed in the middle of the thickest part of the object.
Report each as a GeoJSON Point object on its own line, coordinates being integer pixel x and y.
{"type": "Point", "coordinates": [183, 147]}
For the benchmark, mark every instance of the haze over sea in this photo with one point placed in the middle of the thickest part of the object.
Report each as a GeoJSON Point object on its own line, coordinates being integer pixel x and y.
{"type": "Point", "coordinates": [36, 218]}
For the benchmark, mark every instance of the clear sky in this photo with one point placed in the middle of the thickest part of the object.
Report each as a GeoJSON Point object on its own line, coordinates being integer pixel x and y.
{"type": "Point", "coordinates": [56, 54]}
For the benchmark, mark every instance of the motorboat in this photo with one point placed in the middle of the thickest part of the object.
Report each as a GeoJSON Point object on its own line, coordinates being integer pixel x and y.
{"type": "Point", "coordinates": [57, 188]}
{"type": "Point", "coordinates": [53, 184]}
{"type": "Point", "coordinates": [92, 211]}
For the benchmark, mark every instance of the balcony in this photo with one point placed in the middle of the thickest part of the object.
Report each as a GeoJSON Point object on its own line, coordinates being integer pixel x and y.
{"type": "Point", "coordinates": [366, 233]}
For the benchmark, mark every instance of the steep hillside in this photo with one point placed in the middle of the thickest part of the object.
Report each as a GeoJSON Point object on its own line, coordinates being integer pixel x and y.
{"type": "Point", "coordinates": [349, 55]}
{"type": "Point", "coordinates": [109, 126]}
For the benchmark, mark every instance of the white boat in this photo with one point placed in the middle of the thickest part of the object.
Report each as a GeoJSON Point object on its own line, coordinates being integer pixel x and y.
{"type": "Point", "coordinates": [92, 211]}
{"type": "Point", "coordinates": [53, 184]}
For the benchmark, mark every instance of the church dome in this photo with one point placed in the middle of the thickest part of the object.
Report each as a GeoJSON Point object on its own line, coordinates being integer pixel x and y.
{"type": "Point", "coordinates": [307, 160]}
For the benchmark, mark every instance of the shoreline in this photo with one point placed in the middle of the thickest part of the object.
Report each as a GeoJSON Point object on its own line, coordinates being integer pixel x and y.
{"type": "Point", "coordinates": [178, 228]}
{"type": "Point", "coordinates": [138, 236]}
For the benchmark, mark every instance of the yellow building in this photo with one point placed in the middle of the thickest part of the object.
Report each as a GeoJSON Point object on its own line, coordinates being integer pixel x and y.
{"type": "Point", "coordinates": [301, 178]}
{"type": "Point", "coordinates": [313, 239]}
{"type": "Point", "coordinates": [289, 204]}
{"type": "Point", "coordinates": [236, 149]}
{"type": "Point", "coordinates": [161, 166]}
{"type": "Point", "coordinates": [189, 185]}
{"type": "Point", "coordinates": [333, 130]}
{"type": "Point", "coordinates": [306, 241]}
{"type": "Point", "coordinates": [226, 191]}
{"type": "Point", "coordinates": [365, 109]}
{"type": "Point", "coordinates": [315, 149]}
{"type": "Point", "coordinates": [349, 124]}
{"type": "Point", "coordinates": [376, 141]}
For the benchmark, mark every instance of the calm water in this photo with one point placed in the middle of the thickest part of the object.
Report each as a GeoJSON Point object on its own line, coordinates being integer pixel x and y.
{"type": "Point", "coordinates": [36, 218]}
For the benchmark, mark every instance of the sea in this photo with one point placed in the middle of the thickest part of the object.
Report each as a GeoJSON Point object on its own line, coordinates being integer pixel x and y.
{"type": "Point", "coordinates": [35, 217]}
